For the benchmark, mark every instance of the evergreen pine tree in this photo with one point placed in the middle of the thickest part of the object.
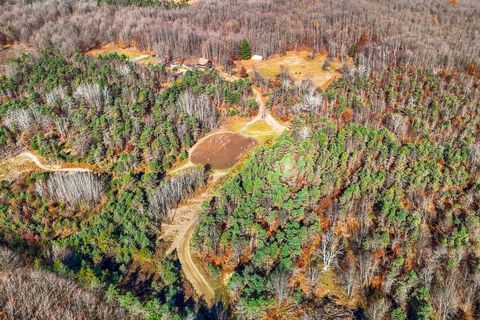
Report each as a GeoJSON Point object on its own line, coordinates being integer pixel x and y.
{"type": "Point", "coordinates": [245, 50]}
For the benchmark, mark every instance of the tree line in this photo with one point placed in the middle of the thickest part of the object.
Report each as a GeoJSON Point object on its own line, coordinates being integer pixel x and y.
{"type": "Point", "coordinates": [376, 34]}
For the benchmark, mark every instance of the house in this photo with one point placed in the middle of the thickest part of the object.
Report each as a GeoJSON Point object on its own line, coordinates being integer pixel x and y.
{"type": "Point", "coordinates": [204, 63]}
{"type": "Point", "coordinates": [257, 58]}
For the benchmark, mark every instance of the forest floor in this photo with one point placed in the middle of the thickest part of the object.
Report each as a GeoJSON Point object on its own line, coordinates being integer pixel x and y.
{"type": "Point", "coordinates": [12, 168]}
{"type": "Point", "coordinates": [299, 64]}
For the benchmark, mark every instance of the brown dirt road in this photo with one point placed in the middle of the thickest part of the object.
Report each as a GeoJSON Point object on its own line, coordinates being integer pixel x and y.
{"type": "Point", "coordinates": [190, 268]}
{"type": "Point", "coordinates": [12, 167]}
{"type": "Point", "coordinates": [180, 229]}
{"type": "Point", "coordinates": [263, 114]}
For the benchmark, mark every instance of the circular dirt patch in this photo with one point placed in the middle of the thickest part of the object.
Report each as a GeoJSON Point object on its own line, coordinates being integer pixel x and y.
{"type": "Point", "coordinates": [221, 150]}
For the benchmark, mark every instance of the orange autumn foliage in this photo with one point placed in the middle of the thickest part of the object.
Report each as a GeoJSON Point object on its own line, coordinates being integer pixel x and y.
{"type": "Point", "coordinates": [362, 42]}
{"type": "Point", "coordinates": [324, 223]}
{"type": "Point", "coordinates": [347, 115]}
{"type": "Point", "coordinates": [377, 282]}
{"type": "Point", "coordinates": [473, 69]}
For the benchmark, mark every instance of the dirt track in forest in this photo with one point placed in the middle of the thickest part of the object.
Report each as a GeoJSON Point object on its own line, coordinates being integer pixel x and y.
{"type": "Point", "coordinates": [180, 229]}
{"type": "Point", "coordinates": [184, 219]}
{"type": "Point", "coordinates": [263, 114]}
{"type": "Point", "coordinates": [196, 277]}
{"type": "Point", "coordinates": [13, 167]}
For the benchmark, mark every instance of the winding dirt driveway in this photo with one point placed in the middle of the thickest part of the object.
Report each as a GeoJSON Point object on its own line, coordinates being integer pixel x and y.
{"type": "Point", "coordinates": [26, 161]}
{"type": "Point", "coordinates": [263, 114]}
{"type": "Point", "coordinates": [192, 272]}
{"type": "Point", "coordinates": [184, 219]}
{"type": "Point", "coordinates": [46, 167]}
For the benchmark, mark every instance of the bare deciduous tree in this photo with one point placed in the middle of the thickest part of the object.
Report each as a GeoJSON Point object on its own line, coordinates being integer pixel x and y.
{"type": "Point", "coordinates": [377, 309]}
{"type": "Point", "coordinates": [27, 293]}
{"type": "Point", "coordinates": [367, 267]}
{"type": "Point", "coordinates": [199, 106]}
{"type": "Point", "coordinates": [172, 191]}
{"type": "Point", "coordinates": [93, 95]}
{"type": "Point", "coordinates": [71, 188]}
{"type": "Point", "coordinates": [280, 285]}
{"type": "Point", "coordinates": [445, 296]}
{"type": "Point", "coordinates": [331, 247]}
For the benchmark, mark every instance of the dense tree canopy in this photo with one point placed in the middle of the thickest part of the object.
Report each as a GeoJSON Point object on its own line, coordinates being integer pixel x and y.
{"type": "Point", "coordinates": [350, 213]}
{"type": "Point", "coordinates": [367, 207]}
{"type": "Point", "coordinates": [376, 33]}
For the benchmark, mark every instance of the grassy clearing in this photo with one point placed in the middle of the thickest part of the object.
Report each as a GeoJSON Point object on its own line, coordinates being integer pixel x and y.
{"type": "Point", "coordinates": [130, 52]}
{"type": "Point", "coordinates": [260, 130]}
{"type": "Point", "coordinates": [299, 64]}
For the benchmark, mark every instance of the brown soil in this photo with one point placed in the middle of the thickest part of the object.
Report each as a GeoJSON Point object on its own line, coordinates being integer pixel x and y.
{"type": "Point", "coordinates": [221, 150]}
{"type": "Point", "coordinates": [11, 51]}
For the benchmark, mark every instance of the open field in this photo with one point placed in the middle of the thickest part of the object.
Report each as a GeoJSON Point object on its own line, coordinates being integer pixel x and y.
{"type": "Point", "coordinates": [221, 150]}
{"type": "Point", "coordinates": [299, 64]}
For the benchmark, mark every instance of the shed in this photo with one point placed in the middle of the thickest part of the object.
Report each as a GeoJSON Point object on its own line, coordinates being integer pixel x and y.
{"type": "Point", "coordinates": [203, 62]}
{"type": "Point", "coordinates": [257, 58]}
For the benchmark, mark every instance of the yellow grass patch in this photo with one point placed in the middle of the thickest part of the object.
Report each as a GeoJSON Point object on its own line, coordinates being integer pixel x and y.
{"type": "Point", "coordinates": [260, 130]}
{"type": "Point", "coordinates": [299, 64]}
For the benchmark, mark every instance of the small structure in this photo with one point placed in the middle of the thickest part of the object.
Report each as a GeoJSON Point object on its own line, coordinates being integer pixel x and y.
{"type": "Point", "coordinates": [256, 58]}
{"type": "Point", "coordinates": [204, 63]}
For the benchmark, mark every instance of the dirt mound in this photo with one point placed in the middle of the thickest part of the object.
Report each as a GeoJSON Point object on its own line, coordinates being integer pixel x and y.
{"type": "Point", "coordinates": [221, 150]}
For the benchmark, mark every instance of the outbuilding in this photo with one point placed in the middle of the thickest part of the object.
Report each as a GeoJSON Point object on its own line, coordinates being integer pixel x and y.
{"type": "Point", "coordinates": [204, 63]}
{"type": "Point", "coordinates": [257, 58]}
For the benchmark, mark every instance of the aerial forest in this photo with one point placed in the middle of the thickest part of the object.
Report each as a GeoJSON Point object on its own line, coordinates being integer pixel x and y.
{"type": "Point", "coordinates": [377, 33]}
{"type": "Point", "coordinates": [356, 198]}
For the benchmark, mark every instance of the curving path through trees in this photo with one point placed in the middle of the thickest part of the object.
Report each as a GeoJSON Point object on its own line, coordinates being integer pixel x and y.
{"type": "Point", "coordinates": [263, 114]}
{"type": "Point", "coordinates": [11, 168]}
{"type": "Point", "coordinates": [190, 268]}
{"type": "Point", "coordinates": [184, 219]}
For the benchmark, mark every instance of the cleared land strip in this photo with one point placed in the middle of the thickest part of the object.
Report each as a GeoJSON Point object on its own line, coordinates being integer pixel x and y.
{"type": "Point", "coordinates": [12, 167]}
{"type": "Point", "coordinates": [192, 272]}
{"type": "Point", "coordinates": [183, 221]}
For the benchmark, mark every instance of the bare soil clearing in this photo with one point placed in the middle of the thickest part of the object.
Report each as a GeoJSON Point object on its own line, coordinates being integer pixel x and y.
{"type": "Point", "coordinates": [12, 51]}
{"type": "Point", "coordinates": [299, 64]}
{"type": "Point", "coordinates": [221, 150]}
